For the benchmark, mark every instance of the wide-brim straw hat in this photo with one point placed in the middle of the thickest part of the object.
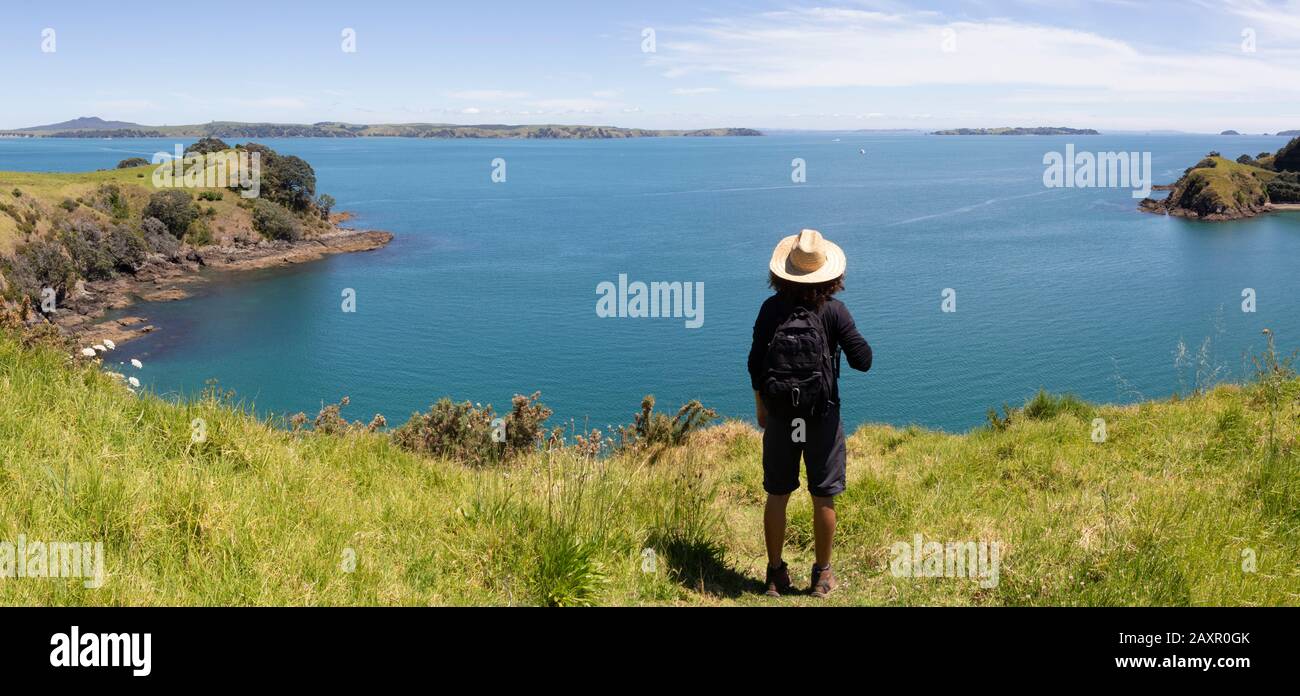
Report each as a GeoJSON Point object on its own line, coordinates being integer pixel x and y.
{"type": "Point", "coordinates": [807, 257]}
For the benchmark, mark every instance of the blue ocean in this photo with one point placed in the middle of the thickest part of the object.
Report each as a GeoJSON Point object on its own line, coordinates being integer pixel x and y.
{"type": "Point", "coordinates": [489, 288]}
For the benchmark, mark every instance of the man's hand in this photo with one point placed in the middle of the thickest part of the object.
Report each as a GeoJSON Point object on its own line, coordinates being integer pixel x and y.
{"type": "Point", "coordinates": [760, 411]}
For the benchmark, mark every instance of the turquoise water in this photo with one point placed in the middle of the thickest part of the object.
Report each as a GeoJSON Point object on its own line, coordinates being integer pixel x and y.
{"type": "Point", "coordinates": [490, 288]}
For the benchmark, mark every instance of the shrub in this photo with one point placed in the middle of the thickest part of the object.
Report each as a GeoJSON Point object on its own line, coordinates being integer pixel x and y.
{"type": "Point", "coordinates": [274, 222]}
{"type": "Point", "coordinates": [68, 204]}
{"type": "Point", "coordinates": [199, 234]}
{"type": "Point", "coordinates": [1283, 191]}
{"type": "Point", "coordinates": [17, 193]}
{"type": "Point", "coordinates": [85, 243]}
{"type": "Point", "coordinates": [45, 264]}
{"type": "Point", "coordinates": [126, 249]}
{"type": "Point", "coordinates": [525, 425]}
{"type": "Point", "coordinates": [172, 208]}
{"type": "Point", "coordinates": [454, 431]}
{"type": "Point", "coordinates": [132, 162]}
{"type": "Point", "coordinates": [109, 199]}
{"type": "Point", "coordinates": [210, 195]}
{"type": "Point", "coordinates": [158, 238]}
{"type": "Point", "coordinates": [650, 429]}
{"type": "Point", "coordinates": [1045, 406]}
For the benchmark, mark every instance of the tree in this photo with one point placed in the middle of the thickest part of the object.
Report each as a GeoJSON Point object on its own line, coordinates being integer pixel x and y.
{"type": "Point", "coordinates": [158, 238]}
{"type": "Point", "coordinates": [132, 162]}
{"type": "Point", "coordinates": [174, 209]}
{"type": "Point", "coordinates": [1288, 158]}
{"type": "Point", "coordinates": [325, 203]}
{"type": "Point", "coordinates": [293, 182]}
{"type": "Point", "coordinates": [206, 146]}
{"type": "Point", "coordinates": [285, 179]}
{"type": "Point", "coordinates": [274, 222]}
{"type": "Point", "coordinates": [127, 249]}
{"type": "Point", "coordinates": [85, 244]}
{"type": "Point", "coordinates": [45, 265]}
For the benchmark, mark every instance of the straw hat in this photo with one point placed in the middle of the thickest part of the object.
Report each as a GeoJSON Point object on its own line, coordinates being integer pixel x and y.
{"type": "Point", "coordinates": [807, 257]}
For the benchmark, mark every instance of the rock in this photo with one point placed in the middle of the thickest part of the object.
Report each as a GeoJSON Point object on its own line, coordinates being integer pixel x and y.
{"type": "Point", "coordinates": [164, 295]}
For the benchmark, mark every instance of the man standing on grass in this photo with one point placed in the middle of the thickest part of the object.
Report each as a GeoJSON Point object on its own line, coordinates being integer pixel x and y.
{"type": "Point", "coordinates": [794, 370]}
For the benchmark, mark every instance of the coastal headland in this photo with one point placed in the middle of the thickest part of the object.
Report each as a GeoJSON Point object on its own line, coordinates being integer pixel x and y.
{"type": "Point", "coordinates": [74, 246]}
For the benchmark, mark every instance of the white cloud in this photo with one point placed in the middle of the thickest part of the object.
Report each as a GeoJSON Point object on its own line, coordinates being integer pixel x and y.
{"type": "Point", "coordinates": [687, 91]}
{"type": "Point", "coordinates": [835, 48]}
{"type": "Point", "coordinates": [574, 106]}
{"type": "Point", "coordinates": [487, 95]}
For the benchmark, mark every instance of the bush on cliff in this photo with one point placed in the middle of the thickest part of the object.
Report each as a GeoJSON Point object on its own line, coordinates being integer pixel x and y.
{"type": "Point", "coordinates": [158, 238]}
{"type": "Point", "coordinates": [286, 179]}
{"type": "Point", "coordinates": [206, 146]}
{"type": "Point", "coordinates": [1288, 158]}
{"type": "Point", "coordinates": [1283, 191]}
{"type": "Point", "coordinates": [274, 222]}
{"type": "Point", "coordinates": [85, 243]}
{"type": "Point", "coordinates": [173, 208]}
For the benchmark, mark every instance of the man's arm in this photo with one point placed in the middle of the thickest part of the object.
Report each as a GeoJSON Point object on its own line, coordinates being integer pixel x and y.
{"type": "Point", "coordinates": [757, 351]}
{"type": "Point", "coordinates": [855, 347]}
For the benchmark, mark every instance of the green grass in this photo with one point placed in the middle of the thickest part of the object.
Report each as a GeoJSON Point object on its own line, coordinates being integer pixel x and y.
{"type": "Point", "coordinates": [1160, 513]}
{"type": "Point", "coordinates": [43, 193]}
{"type": "Point", "coordinates": [1226, 186]}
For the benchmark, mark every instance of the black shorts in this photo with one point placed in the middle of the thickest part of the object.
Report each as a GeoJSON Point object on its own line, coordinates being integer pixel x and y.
{"type": "Point", "coordinates": [823, 451]}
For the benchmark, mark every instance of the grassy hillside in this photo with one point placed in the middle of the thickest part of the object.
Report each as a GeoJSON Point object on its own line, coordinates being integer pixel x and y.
{"type": "Point", "coordinates": [1160, 513]}
{"type": "Point", "coordinates": [43, 195]}
{"type": "Point", "coordinates": [1220, 189]}
{"type": "Point", "coordinates": [1218, 186]}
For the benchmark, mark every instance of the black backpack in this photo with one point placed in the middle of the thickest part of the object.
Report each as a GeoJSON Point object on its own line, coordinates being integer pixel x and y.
{"type": "Point", "coordinates": [799, 369]}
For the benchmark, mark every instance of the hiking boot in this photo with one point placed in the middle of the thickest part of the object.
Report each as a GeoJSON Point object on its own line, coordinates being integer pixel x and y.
{"type": "Point", "coordinates": [823, 581]}
{"type": "Point", "coordinates": [778, 581]}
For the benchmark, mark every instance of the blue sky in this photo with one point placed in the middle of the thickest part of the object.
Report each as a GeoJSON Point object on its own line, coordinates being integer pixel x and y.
{"type": "Point", "coordinates": [1114, 64]}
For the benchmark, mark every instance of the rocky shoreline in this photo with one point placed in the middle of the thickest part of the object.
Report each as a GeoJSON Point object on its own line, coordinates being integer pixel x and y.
{"type": "Point", "coordinates": [1220, 214]}
{"type": "Point", "coordinates": [166, 280]}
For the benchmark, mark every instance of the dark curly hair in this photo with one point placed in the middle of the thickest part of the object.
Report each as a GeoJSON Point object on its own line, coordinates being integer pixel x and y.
{"type": "Point", "coordinates": [810, 295]}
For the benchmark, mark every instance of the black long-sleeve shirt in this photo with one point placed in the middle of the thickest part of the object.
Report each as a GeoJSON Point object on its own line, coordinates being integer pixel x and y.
{"type": "Point", "coordinates": [842, 333]}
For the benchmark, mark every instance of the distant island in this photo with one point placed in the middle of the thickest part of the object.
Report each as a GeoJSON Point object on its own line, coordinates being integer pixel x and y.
{"type": "Point", "coordinates": [1289, 132]}
{"type": "Point", "coordinates": [95, 127]}
{"type": "Point", "coordinates": [1217, 188]}
{"type": "Point", "coordinates": [1230, 132]}
{"type": "Point", "coordinates": [1042, 130]}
